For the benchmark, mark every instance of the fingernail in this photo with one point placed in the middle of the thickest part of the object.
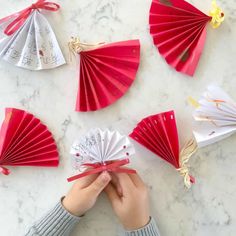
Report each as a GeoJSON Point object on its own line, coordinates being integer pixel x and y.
{"type": "Point", "coordinates": [120, 192]}
{"type": "Point", "coordinates": [105, 177]}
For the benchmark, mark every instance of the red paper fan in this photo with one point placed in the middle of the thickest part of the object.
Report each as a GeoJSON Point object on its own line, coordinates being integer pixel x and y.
{"type": "Point", "coordinates": [106, 73]}
{"type": "Point", "coordinates": [179, 32]}
{"type": "Point", "coordinates": [159, 134]}
{"type": "Point", "coordinates": [25, 141]}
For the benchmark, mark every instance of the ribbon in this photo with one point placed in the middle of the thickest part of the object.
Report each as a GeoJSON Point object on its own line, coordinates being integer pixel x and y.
{"type": "Point", "coordinates": [188, 150]}
{"type": "Point", "coordinates": [21, 16]}
{"type": "Point", "coordinates": [107, 166]}
{"type": "Point", "coordinates": [217, 15]}
{"type": "Point", "coordinates": [4, 170]}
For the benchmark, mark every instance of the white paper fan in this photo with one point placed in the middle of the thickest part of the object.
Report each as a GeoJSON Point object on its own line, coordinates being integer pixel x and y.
{"type": "Point", "coordinates": [101, 146]}
{"type": "Point", "coordinates": [215, 116]}
{"type": "Point", "coordinates": [33, 46]}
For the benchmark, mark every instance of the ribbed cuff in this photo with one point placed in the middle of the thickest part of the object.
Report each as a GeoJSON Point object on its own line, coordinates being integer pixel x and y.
{"type": "Point", "coordinates": [58, 221]}
{"type": "Point", "coordinates": [148, 230]}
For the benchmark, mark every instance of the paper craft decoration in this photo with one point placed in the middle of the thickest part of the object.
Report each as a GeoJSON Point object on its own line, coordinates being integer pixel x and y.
{"type": "Point", "coordinates": [27, 39]}
{"type": "Point", "coordinates": [215, 116]}
{"type": "Point", "coordinates": [101, 150]}
{"type": "Point", "coordinates": [179, 31]}
{"type": "Point", "coordinates": [25, 141]}
{"type": "Point", "coordinates": [106, 72]}
{"type": "Point", "coordinates": [158, 133]}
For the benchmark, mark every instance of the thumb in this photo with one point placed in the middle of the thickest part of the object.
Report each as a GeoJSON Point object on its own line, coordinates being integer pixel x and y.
{"type": "Point", "coordinates": [99, 184]}
{"type": "Point", "coordinates": [112, 194]}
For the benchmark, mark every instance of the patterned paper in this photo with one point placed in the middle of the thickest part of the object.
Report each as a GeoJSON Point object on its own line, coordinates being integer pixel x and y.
{"type": "Point", "coordinates": [215, 116]}
{"type": "Point", "coordinates": [34, 46]}
{"type": "Point", "coordinates": [101, 150]}
{"type": "Point", "coordinates": [100, 146]}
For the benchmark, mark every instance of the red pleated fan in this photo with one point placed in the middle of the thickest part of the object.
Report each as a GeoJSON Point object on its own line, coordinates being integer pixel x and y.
{"type": "Point", "coordinates": [25, 141]}
{"type": "Point", "coordinates": [106, 73]}
{"type": "Point", "coordinates": [158, 133]}
{"type": "Point", "coordinates": [179, 32]}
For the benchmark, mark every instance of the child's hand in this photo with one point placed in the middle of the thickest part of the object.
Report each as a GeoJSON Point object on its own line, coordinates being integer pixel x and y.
{"type": "Point", "coordinates": [129, 199]}
{"type": "Point", "coordinates": [84, 193]}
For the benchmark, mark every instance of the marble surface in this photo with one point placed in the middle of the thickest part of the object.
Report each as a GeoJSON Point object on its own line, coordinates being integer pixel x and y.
{"type": "Point", "coordinates": [209, 208]}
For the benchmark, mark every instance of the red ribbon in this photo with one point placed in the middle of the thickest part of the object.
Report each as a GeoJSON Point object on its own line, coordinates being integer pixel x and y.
{"type": "Point", "coordinates": [107, 166]}
{"type": "Point", "coordinates": [21, 16]}
{"type": "Point", "coordinates": [4, 170]}
{"type": "Point", "coordinates": [192, 179]}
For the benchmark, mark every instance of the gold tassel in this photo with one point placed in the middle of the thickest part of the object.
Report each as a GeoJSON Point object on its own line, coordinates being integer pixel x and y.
{"type": "Point", "coordinates": [75, 46]}
{"type": "Point", "coordinates": [193, 102]}
{"type": "Point", "coordinates": [187, 151]}
{"type": "Point", "coordinates": [217, 15]}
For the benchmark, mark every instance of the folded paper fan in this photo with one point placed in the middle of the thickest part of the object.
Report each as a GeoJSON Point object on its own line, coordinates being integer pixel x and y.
{"type": "Point", "coordinates": [101, 150]}
{"type": "Point", "coordinates": [214, 116]}
{"type": "Point", "coordinates": [179, 31]}
{"type": "Point", "coordinates": [158, 133]}
{"type": "Point", "coordinates": [27, 39]}
{"type": "Point", "coordinates": [106, 72]}
{"type": "Point", "coordinates": [25, 141]}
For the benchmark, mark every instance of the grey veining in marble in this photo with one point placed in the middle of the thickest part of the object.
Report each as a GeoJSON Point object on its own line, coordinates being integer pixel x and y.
{"type": "Point", "coordinates": [209, 208]}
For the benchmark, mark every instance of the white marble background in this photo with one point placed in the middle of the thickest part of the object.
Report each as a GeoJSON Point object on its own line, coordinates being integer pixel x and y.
{"type": "Point", "coordinates": [209, 208]}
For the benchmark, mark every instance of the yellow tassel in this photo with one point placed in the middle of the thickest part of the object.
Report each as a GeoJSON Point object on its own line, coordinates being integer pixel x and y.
{"type": "Point", "coordinates": [193, 102]}
{"type": "Point", "coordinates": [217, 15]}
{"type": "Point", "coordinates": [187, 151]}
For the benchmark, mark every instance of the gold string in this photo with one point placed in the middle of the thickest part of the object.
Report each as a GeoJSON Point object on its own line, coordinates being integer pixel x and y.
{"type": "Point", "coordinates": [187, 151]}
{"type": "Point", "coordinates": [217, 15]}
{"type": "Point", "coordinates": [76, 46]}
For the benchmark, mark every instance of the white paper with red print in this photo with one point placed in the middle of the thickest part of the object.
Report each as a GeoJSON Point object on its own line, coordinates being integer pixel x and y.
{"type": "Point", "coordinates": [34, 46]}
{"type": "Point", "coordinates": [215, 116]}
{"type": "Point", "coordinates": [101, 146]}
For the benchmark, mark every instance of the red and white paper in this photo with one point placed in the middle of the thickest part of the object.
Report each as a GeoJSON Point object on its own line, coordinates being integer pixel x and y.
{"type": "Point", "coordinates": [27, 39]}
{"type": "Point", "coordinates": [101, 150]}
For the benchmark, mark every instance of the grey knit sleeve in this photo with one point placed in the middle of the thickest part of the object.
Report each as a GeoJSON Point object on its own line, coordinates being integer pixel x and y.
{"type": "Point", "coordinates": [57, 222]}
{"type": "Point", "coordinates": [149, 230]}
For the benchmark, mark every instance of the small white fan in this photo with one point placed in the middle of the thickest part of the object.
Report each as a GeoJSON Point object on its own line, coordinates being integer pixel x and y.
{"type": "Point", "coordinates": [102, 149]}
{"type": "Point", "coordinates": [215, 116]}
{"type": "Point", "coordinates": [33, 46]}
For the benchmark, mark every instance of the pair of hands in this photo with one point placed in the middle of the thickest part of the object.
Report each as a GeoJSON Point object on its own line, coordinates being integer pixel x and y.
{"type": "Point", "coordinates": [127, 193]}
